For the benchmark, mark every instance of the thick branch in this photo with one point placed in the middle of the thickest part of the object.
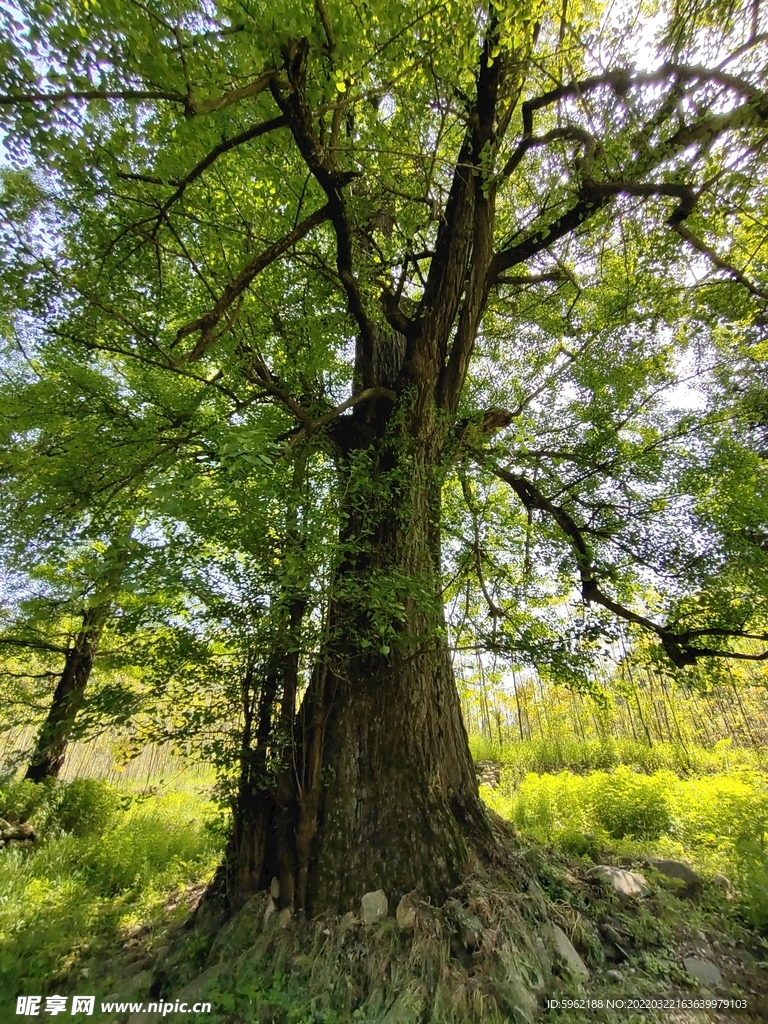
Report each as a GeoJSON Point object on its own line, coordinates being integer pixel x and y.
{"type": "Point", "coordinates": [299, 117]}
{"type": "Point", "coordinates": [191, 108]}
{"type": "Point", "coordinates": [312, 426]}
{"type": "Point", "coordinates": [594, 196]}
{"type": "Point", "coordinates": [484, 423]}
{"type": "Point", "coordinates": [682, 192]}
{"type": "Point", "coordinates": [361, 396]}
{"type": "Point", "coordinates": [258, 85]}
{"type": "Point", "coordinates": [325, 18]}
{"type": "Point", "coordinates": [570, 132]}
{"type": "Point", "coordinates": [92, 94]}
{"type": "Point", "coordinates": [207, 323]}
{"type": "Point", "coordinates": [448, 266]}
{"type": "Point", "coordinates": [700, 246]}
{"type": "Point", "coordinates": [543, 237]}
{"type": "Point", "coordinates": [621, 80]}
{"type": "Point", "coordinates": [476, 199]}
{"type": "Point", "coordinates": [34, 645]}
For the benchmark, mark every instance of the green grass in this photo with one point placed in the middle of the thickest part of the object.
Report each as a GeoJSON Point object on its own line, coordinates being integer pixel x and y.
{"type": "Point", "coordinates": [107, 882]}
{"type": "Point", "coordinates": [108, 864]}
{"type": "Point", "coordinates": [717, 822]}
{"type": "Point", "coordinates": [568, 752]}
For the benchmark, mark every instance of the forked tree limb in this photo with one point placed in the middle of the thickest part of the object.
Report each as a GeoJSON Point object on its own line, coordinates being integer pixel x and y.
{"type": "Point", "coordinates": [677, 645]}
{"type": "Point", "coordinates": [254, 132]}
{"type": "Point", "coordinates": [208, 323]}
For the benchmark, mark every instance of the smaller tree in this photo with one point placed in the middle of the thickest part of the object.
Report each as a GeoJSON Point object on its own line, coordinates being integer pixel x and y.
{"type": "Point", "coordinates": [50, 747]}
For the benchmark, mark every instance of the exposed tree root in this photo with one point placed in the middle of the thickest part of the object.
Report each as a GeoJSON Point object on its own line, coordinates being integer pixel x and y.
{"type": "Point", "coordinates": [478, 957]}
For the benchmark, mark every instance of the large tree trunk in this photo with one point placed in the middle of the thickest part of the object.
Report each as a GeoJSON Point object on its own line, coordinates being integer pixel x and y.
{"type": "Point", "coordinates": [378, 790]}
{"type": "Point", "coordinates": [391, 797]}
{"type": "Point", "coordinates": [51, 745]}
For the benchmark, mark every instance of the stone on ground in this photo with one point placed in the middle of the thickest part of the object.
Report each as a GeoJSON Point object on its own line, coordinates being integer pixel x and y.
{"type": "Point", "coordinates": [564, 949]}
{"type": "Point", "coordinates": [488, 773]}
{"type": "Point", "coordinates": [405, 915]}
{"type": "Point", "coordinates": [374, 906]}
{"type": "Point", "coordinates": [702, 970]}
{"type": "Point", "coordinates": [678, 870]}
{"type": "Point", "coordinates": [408, 1008]}
{"type": "Point", "coordinates": [544, 957]}
{"type": "Point", "coordinates": [625, 883]}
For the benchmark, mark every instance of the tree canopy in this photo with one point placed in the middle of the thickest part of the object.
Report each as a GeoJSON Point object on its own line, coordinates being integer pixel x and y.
{"type": "Point", "coordinates": [400, 304]}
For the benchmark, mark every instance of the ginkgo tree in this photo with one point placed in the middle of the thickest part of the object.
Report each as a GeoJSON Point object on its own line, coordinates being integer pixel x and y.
{"type": "Point", "coordinates": [365, 247]}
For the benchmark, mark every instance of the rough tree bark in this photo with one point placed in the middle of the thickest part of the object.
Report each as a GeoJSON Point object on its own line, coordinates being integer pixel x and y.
{"type": "Point", "coordinates": [389, 795]}
{"type": "Point", "coordinates": [378, 790]}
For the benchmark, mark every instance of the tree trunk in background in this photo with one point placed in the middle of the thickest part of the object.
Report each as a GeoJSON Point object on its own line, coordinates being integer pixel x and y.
{"type": "Point", "coordinates": [51, 746]}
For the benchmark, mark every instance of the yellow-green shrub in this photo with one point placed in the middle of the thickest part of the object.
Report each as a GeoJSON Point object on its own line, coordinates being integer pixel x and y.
{"type": "Point", "coordinates": [720, 822]}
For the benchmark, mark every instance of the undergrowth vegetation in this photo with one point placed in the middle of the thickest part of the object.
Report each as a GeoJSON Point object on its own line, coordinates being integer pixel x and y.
{"type": "Point", "coordinates": [99, 900]}
{"type": "Point", "coordinates": [561, 751]}
{"type": "Point", "coordinates": [107, 864]}
{"type": "Point", "coordinates": [656, 767]}
{"type": "Point", "coordinates": [718, 822]}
